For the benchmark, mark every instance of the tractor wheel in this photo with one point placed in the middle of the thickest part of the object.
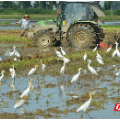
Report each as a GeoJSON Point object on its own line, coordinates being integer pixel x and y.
{"type": "Point", "coordinates": [82, 36]}
{"type": "Point", "coordinates": [45, 39]}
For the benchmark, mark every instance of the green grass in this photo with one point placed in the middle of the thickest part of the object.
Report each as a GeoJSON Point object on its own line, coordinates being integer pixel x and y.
{"type": "Point", "coordinates": [32, 16]}
{"type": "Point", "coordinates": [110, 18]}
{"type": "Point", "coordinates": [15, 39]}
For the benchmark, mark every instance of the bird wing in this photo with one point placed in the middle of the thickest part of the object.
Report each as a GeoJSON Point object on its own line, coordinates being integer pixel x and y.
{"type": "Point", "coordinates": [31, 71]}
{"type": "Point", "coordinates": [62, 70]}
{"type": "Point", "coordinates": [19, 103]}
{"type": "Point", "coordinates": [75, 78]}
{"type": "Point", "coordinates": [17, 53]}
{"type": "Point", "coordinates": [84, 106]}
{"type": "Point", "coordinates": [92, 70]}
{"type": "Point", "coordinates": [11, 69]}
{"type": "Point", "coordinates": [25, 93]}
{"type": "Point", "coordinates": [100, 61]}
{"type": "Point", "coordinates": [7, 52]}
{"type": "Point", "coordinates": [108, 50]}
{"type": "Point", "coordinates": [95, 49]}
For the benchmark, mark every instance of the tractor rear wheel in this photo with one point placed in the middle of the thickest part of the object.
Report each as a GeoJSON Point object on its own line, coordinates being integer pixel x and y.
{"type": "Point", "coordinates": [82, 36]}
{"type": "Point", "coordinates": [45, 39]}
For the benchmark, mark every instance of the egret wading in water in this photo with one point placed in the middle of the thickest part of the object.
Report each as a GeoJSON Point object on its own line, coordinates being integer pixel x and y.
{"type": "Point", "coordinates": [27, 91]}
{"type": "Point", "coordinates": [20, 103]}
{"type": "Point", "coordinates": [91, 69]}
{"type": "Point", "coordinates": [63, 52]}
{"type": "Point", "coordinates": [1, 77]}
{"type": "Point", "coordinates": [32, 71]}
{"type": "Point", "coordinates": [109, 49]}
{"type": "Point", "coordinates": [95, 48]}
{"type": "Point", "coordinates": [85, 106]}
{"type": "Point", "coordinates": [75, 77]}
{"type": "Point", "coordinates": [13, 74]}
{"type": "Point", "coordinates": [63, 69]}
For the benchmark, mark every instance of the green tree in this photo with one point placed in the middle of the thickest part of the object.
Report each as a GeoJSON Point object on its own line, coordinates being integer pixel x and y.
{"type": "Point", "coordinates": [7, 4]}
{"type": "Point", "coordinates": [43, 4]}
{"type": "Point", "coordinates": [107, 5]}
{"type": "Point", "coordinates": [36, 4]}
{"type": "Point", "coordinates": [25, 4]}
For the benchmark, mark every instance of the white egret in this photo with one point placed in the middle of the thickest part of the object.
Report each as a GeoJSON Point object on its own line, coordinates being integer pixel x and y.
{"type": "Point", "coordinates": [116, 50]}
{"type": "Point", "coordinates": [1, 59]}
{"type": "Point", "coordinates": [99, 60]}
{"type": "Point", "coordinates": [32, 71]}
{"type": "Point", "coordinates": [27, 91]}
{"type": "Point", "coordinates": [43, 66]}
{"type": "Point", "coordinates": [66, 60]}
{"type": "Point", "coordinates": [63, 52]}
{"type": "Point", "coordinates": [1, 77]}
{"type": "Point", "coordinates": [91, 69]}
{"type": "Point", "coordinates": [20, 103]}
{"type": "Point", "coordinates": [95, 48]}
{"type": "Point", "coordinates": [85, 106]}
{"type": "Point", "coordinates": [15, 53]}
{"type": "Point", "coordinates": [75, 77]}
{"type": "Point", "coordinates": [117, 73]}
{"type": "Point", "coordinates": [99, 56]}
{"type": "Point", "coordinates": [85, 56]}
{"type": "Point", "coordinates": [108, 50]}
{"type": "Point", "coordinates": [12, 72]}
{"type": "Point", "coordinates": [63, 69]}
{"type": "Point", "coordinates": [58, 53]}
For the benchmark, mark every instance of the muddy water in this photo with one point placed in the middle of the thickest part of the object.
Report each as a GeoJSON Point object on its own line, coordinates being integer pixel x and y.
{"type": "Point", "coordinates": [48, 94]}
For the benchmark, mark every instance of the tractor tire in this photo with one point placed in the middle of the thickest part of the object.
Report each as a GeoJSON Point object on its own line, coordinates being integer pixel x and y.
{"type": "Point", "coordinates": [82, 36]}
{"type": "Point", "coordinates": [45, 39]}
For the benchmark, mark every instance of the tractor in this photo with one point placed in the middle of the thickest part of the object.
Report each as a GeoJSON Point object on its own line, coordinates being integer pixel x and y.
{"type": "Point", "coordinates": [76, 25]}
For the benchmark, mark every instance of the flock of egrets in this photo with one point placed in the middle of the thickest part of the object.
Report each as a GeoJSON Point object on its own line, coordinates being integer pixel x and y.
{"type": "Point", "coordinates": [61, 55]}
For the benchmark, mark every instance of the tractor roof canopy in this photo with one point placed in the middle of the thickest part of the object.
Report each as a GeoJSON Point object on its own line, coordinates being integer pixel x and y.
{"type": "Point", "coordinates": [92, 4]}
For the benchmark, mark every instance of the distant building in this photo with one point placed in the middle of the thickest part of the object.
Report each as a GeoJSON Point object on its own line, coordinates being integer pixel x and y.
{"type": "Point", "coordinates": [116, 5]}
{"type": "Point", "coordinates": [55, 4]}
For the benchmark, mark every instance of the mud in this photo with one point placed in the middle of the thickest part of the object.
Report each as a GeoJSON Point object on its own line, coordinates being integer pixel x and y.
{"type": "Point", "coordinates": [48, 99]}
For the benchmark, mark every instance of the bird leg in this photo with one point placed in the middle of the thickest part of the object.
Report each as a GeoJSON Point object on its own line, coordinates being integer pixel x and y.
{"type": "Point", "coordinates": [89, 116]}
{"type": "Point", "coordinates": [82, 115]}
{"type": "Point", "coordinates": [15, 110]}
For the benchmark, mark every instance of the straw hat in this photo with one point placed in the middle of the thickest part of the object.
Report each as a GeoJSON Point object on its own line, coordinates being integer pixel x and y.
{"type": "Point", "coordinates": [26, 16]}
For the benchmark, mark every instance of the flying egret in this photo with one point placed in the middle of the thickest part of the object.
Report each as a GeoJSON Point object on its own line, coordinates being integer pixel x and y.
{"type": "Point", "coordinates": [99, 60]}
{"type": "Point", "coordinates": [63, 69]}
{"type": "Point", "coordinates": [27, 91]}
{"type": "Point", "coordinates": [108, 50]}
{"type": "Point", "coordinates": [91, 69]}
{"type": "Point", "coordinates": [99, 56]}
{"type": "Point", "coordinates": [85, 106]}
{"type": "Point", "coordinates": [20, 103]}
{"type": "Point", "coordinates": [1, 77]}
{"type": "Point", "coordinates": [43, 66]}
{"type": "Point", "coordinates": [32, 71]}
{"type": "Point", "coordinates": [12, 72]}
{"type": "Point", "coordinates": [95, 48]}
{"type": "Point", "coordinates": [85, 56]}
{"type": "Point", "coordinates": [75, 77]}
{"type": "Point", "coordinates": [63, 52]}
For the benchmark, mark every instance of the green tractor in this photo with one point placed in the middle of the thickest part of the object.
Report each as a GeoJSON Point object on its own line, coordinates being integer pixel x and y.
{"type": "Point", "coordinates": [77, 25]}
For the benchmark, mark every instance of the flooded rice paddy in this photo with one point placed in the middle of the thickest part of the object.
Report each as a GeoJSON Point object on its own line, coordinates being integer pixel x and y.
{"type": "Point", "coordinates": [54, 96]}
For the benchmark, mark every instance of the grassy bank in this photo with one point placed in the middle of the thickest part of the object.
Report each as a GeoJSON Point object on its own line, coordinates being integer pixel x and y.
{"type": "Point", "coordinates": [110, 18]}
{"type": "Point", "coordinates": [32, 16]}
